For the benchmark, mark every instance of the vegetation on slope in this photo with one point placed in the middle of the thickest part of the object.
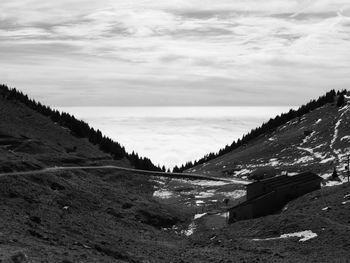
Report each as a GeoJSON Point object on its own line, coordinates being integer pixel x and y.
{"type": "Point", "coordinates": [80, 129]}
{"type": "Point", "coordinates": [270, 126]}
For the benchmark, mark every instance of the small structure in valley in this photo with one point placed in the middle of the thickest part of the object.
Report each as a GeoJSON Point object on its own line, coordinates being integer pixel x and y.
{"type": "Point", "coordinates": [269, 195]}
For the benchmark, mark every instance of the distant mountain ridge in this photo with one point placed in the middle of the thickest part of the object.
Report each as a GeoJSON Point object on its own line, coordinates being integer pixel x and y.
{"type": "Point", "coordinates": [297, 129]}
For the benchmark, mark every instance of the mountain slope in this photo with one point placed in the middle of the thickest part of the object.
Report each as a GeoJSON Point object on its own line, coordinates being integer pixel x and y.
{"type": "Point", "coordinates": [38, 120]}
{"type": "Point", "coordinates": [30, 140]}
{"type": "Point", "coordinates": [98, 215]}
{"type": "Point", "coordinates": [316, 141]}
{"type": "Point", "coordinates": [313, 228]}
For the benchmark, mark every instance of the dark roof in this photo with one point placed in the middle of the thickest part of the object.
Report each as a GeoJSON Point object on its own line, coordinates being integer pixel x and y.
{"type": "Point", "coordinates": [247, 202]}
{"type": "Point", "coordinates": [278, 181]}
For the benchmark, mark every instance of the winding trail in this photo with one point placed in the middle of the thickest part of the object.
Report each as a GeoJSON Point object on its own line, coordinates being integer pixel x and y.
{"type": "Point", "coordinates": [112, 167]}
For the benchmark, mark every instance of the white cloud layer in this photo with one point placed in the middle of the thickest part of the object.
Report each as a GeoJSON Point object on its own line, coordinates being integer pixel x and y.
{"type": "Point", "coordinates": [193, 52]}
{"type": "Point", "coordinates": [174, 135]}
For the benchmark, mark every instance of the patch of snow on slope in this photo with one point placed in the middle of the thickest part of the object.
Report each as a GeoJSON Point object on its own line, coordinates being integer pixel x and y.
{"type": "Point", "coordinates": [197, 216]}
{"type": "Point", "coordinates": [273, 162]}
{"type": "Point", "coordinates": [336, 129]}
{"type": "Point", "coordinates": [208, 183]}
{"type": "Point", "coordinates": [333, 183]}
{"type": "Point", "coordinates": [206, 194]}
{"type": "Point", "coordinates": [318, 121]}
{"type": "Point", "coordinates": [304, 159]}
{"type": "Point", "coordinates": [243, 172]}
{"type": "Point", "coordinates": [345, 138]}
{"type": "Point", "coordinates": [317, 155]}
{"type": "Point", "coordinates": [325, 176]}
{"type": "Point", "coordinates": [304, 235]}
{"type": "Point", "coordinates": [235, 194]}
{"type": "Point", "coordinates": [224, 214]}
{"type": "Point", "coordinates": [330, 159]}
{"type": "Point", "coordinates": [320, 145]}
{"type": "Point", "coordinates": [307, 138]}
{"type": "Point", "coordinates": [190, 230]}
{"type": "Point", "coordinates": [162, 194]}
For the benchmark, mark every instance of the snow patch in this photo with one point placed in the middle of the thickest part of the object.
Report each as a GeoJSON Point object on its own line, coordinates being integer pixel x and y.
{"type": "Point", "coordinates": [336, 129]}
{"type": "Point", "coordinates": [208, 183]}
{"type": "Point", "coordinates": [327, 160]}
{"type": "Point", "coordinates": [224, 214]}
{"type": "Point", "coordinates": [333, 183]}
{"type": "Point", "coordinates": [190, 230]}
{"type": "Point", "coordinates": [197, 216]}
{"type": "Point", "coordinates": [243, 172]}
{"type": "Point", "coordinates": [273, 162]}
{"type": "Point", "coordinates": [307, 138]}
{"type": "Point", "coordinates": [345, 138]}
{"type": "Point", "coordinates": [162, 194]}
{"type": "Point", "coordinates": [206, 194]}
{"type": "Point", "coordinates": [235, 194]}
{"type": "Point", "coordinates": [304, 235]}
{"type": "Point", "coordinates": [304, 159]}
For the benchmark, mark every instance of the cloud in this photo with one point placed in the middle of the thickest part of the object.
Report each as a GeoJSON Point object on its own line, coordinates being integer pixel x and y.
{"type": "Point", "coordinates": [177, 52]}
{"type": "Point", "coordinates": [172, 136]}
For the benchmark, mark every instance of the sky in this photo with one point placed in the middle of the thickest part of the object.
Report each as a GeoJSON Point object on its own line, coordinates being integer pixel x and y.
{"type": "Point", "coordinates": [175, 52]}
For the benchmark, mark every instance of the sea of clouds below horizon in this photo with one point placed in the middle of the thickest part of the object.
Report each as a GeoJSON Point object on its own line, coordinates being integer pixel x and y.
{"type": "Point", "coordinates": [174, 135]}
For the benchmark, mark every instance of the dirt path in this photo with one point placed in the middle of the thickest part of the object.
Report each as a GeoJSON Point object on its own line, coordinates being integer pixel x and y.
{"type": "Point", "coordinates": [112, 167]}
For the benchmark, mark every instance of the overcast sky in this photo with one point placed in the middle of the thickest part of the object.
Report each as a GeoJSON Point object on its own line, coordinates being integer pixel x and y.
{"type": "Point", "coordinates": [175, 52]}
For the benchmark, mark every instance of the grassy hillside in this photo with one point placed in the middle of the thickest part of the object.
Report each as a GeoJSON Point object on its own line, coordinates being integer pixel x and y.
{"type": "Point", "coordinates": [324, 214]}
{"type": "Point", "coordinates": [29, 140]}
{"type": "Point", "coordinates": [85, 217]}
{"type": "Point", "coordinates": [316, 141]}
{"type": "Point", "coordinates": [40, 119]}
{"type": "Point", "coordinates": [73, 216]}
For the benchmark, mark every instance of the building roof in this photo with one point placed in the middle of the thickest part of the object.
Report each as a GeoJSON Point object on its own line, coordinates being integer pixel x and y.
{"type": "Point", "coordinates": [282, 180]}
{"type": "Point", "coordinates": [247, 202]}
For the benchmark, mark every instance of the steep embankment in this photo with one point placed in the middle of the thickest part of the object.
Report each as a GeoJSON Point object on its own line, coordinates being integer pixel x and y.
{"type": "Point", "coordinates": [317, 141]}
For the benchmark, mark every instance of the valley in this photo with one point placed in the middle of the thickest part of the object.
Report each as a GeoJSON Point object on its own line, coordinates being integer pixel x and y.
{"type": "Point", "coordinates": [67, 198]}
